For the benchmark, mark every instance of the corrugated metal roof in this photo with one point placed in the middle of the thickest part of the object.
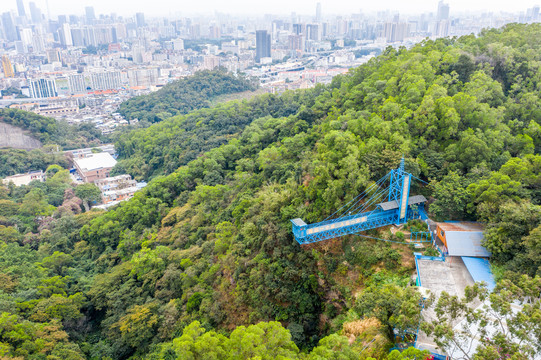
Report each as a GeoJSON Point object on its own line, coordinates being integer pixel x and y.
{"type": "Point", "coordinates": [460, 226]}
{"type": "Point", "coordinates": [298, 222]}
{"type": "Point", "coordinates": [480, 270]}
{"type": "Point", "coordinates": [466, 243]}
{"type": "Point", "coordinates": [389, 205]}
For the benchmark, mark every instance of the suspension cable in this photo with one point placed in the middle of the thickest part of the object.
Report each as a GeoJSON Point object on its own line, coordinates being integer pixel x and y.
{"type": "Point", "coordinates": [375, 198]}
{"type": "Point", "coordinates": [380, 181]}
{"type": "Point", "coordinates": [363, 194]}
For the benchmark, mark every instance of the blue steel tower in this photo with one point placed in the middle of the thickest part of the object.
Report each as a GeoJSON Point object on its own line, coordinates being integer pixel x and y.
{"type": "Point", "coordinates": [362, 214]}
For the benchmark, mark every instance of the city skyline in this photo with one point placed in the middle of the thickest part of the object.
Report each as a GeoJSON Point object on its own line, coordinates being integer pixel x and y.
{"type": "Point", "coordinates": [278, 7]}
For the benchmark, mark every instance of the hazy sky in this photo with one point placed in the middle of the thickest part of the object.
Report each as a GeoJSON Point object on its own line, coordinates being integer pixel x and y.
{"type": "Point", "coordinates": [302, 7]}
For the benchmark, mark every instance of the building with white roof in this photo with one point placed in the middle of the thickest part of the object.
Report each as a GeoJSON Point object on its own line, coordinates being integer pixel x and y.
{"type": "Point", "coordinates": [95, 167]}
{"type": "Point", "coordinates": [24, 179]}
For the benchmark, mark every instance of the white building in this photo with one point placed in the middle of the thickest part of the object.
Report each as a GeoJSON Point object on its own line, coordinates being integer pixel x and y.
{"type": "Point", "coordinates": [106, 80]}
{"type": "Point", "coordinates": [24, 179]}
{"type": "Point", "coordinates": [77, 83]}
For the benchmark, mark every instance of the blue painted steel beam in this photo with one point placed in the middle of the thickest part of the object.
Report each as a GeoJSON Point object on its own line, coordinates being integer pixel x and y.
{"type": "Point", "coordinates": [399, 188]}
{"type": "Point", "coordinates": [307, 234]}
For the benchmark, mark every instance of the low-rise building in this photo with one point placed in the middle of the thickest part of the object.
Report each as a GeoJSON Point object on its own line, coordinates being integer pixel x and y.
{"type": "Point", "coordinates": [118, 194]}
{"type": "Point", "coordinates": [94, 167]}
{"type": "Point", "coordinates": [117, 189]}
{"type": "Point", "coordinates": [82, 153]}
{"type": "Point", "coordinates": [116, 182]}
{"type": "Point", "coordinates": [461, 238]}
{"type": "Point", "coordinates": [24, 179]}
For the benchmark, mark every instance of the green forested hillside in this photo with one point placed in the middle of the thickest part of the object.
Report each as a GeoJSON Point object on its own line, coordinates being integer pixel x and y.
{"type": "Point", "coordinates": [51, 133]}
{"type": "Point", "coordinates": [202, 261]}
{"type": "Point", "coordinates": [164, 147]}
{"type": "Point", "coordinates": [185, 95]}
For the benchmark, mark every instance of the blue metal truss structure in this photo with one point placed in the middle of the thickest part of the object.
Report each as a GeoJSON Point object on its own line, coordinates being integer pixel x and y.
{"type": "Point", "coordinates": [420, 236]}
{"type": "Point", "coordinates": [356, 215]}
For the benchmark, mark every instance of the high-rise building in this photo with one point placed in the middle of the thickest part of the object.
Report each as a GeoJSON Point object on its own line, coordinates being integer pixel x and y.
{"type": "Point", "coordinates": [25, 34]}
{"type": "Point", "coordinates": [262, 45]}
{"type": "Point", "coordinates": [104, 34]}
{"type": "Point", "coordinates": [178, 44]}
{"type": "Point", "coordinates": [38, 42]}
{"type": "Point", "coordinates": [10, 32]}
{"type": "Point", "coordinates": [318, 12]}
{"type": "Point", "coordinates": [214, 32]}
{"type": "Point", "coordinates": [20, 8]}
{"type": "Point", "coordinates": [402, 31]}
{"type": "Point", "coordinates": [396, 31]}
{"type": "Point", "coordinates": [293, 17]}
{"type": "Point", "coordinates": [77, 36]}
{"type": "Point", "coordinates": [195, 31]}
{"type": "Point", "coordinates": [53, 55]}
{"type": "Point", "coordinates": [106, 80]}
{"type": "Point", "coordinates": [20, 47]}
{"type": "Point", "coordinates": [140, 19]}
{"type": "Point", "coordinates": [90, 36]}
{"type": "Point", "coordinates": [443, 11]}
{"type": "Point", "coordinates": [442, 28]}
{"type": "Point", "coordinates": [121, 31]}
{"type": "Point", "coordinates": [8, 68]}
{"type": "Point", "coordinates": [532, 14]}
{"type": "Point", "coordinates": [77, 83]}
{"type": "Point", "coordinates": [65, 35]}
{"type": "Point", "coordinates": [43, 88]}
{"type": "Point", "coordinates": [312, 32]}
{"type": "Point", "coordinates": [296, 43]}
{"type": "Point", "coordinates": [90, 15]}
{"type": "Point", "coordinates": [143, 77]}
{"type": "Point", "coordinates": [442, 24]}
{"type": "Point", "coordinates": [35, 13]}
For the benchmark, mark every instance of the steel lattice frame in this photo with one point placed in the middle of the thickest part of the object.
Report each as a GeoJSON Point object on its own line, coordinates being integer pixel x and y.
{"type": "Point", "coordinates": [399, 187]}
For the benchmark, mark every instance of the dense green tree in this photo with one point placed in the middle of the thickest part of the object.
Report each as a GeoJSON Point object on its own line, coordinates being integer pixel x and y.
{"type": "Point", "coordinates": [264, 340]}
{"type": "Point", "coordinates": [490, 320]}
{"type": "Point", "coordinates": [35, 203]}
{"type": "Point", "coordinates": [185, 95]}
{"type": "Point", "coordinates": [393, 305]}
{"type": "Point", "coordinates": [138, 326]}
{"type": "Point", "coordinates": [333, 347]}
{"type": "Point", "coordinates": [505, 235]}
{"type": "Point", "coordinates": [451, 197]}
{"type": "Point", "coordinates": [89, 193]}
{"type": "Point", "coordinates": [51, 131]}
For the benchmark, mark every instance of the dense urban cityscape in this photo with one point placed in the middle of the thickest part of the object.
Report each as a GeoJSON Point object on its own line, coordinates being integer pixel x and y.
{"type": "Point", "coordinates": [80, 67]}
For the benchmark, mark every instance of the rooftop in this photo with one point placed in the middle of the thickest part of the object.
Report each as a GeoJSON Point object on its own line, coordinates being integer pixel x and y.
{"type": "Point", "coordinates": [466, 243]}
{"type": "Point", "coordinates": [389, 205]}
{"type": "Point", "coordinates": [36, 172]}
{"type": "Point", "coordinates": [479, 269]}
{"type": "Point", "coordinates": [460, 226]}
{"type": "Point", "coordinates": [95, 162]}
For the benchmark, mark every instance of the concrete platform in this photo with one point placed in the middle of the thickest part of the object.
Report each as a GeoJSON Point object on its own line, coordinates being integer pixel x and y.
{"type": "Point", "coordinates": [450, 276]}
